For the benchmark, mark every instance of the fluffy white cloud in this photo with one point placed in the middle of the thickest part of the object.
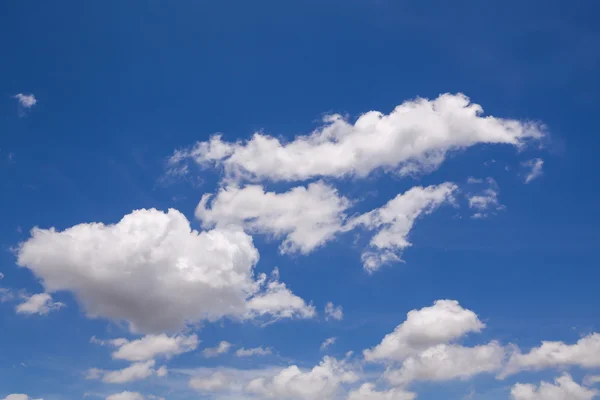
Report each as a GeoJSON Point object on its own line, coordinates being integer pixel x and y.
{"type": "Point", "coordinates": [320, 383]}
{"type": "Point", "coordinates": [564, 388]}
{"type": "Point", "coordinates": [415, 137]}
{"type": "Point", "coordinates": [213, 383]}
{"type": "Point", "coordinates": [443, 322]}
{"type": "Point", "coordinates": [307, 217]}
{"type": "Point", "coordinates": [333, 312]}
{"type": "Point", "coordinates": [126, 396]}
{"type": "Point", "coordinates": [328, 342]}
{"type": "Point", "coordinates": [18, 396]}
{"type": "Point", "coordinates": [367, 392]}
{"type": "Point", "coordinates": [585, 353]}
{"type": "Point", "coordinates": [25, 100]}
{"type": "Point", "coordinates": [446, 362]}
{"type": "Point", "coordinates": [256, 351]}
{"type": "Point", "coordinates": [151, 346]}
{"type": "Point", "coordinates": [40, 303]}
{"type": "Point", "coordinates": [222, 348]}
{"type": "Point", "coordinates": [535, 167]}
{"type": "Point", "coordinates": [152, 270]}
{"type": "Point", "coordinates": [395, 219]}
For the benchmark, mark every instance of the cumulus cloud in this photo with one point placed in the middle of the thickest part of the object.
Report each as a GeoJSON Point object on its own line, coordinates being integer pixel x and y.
{"type": "Point", "coordinates": [591, 380]}
{"type": "Point", "coordinates": [585, 353]}
{"type": "Point", "coordinates": [256, 351]}
{"type": "Point", "coordinates": [18, 396]}
{"type": "Point", "coordinates": [328, 342]}
{"type": "Point", "coordinates": [126, 396]}
{"type": "Point", "coordinates": [535, 167]}
{"type": "Point", "coordinates": [151, 346]}
{"type": "Point", "coordinates": [153, 271]}
{"type": "Point", "coordinates": [446, 362]}
{"type": "Point", "coordinates": [333, 312]}
{"type": "Point", "coordinates": [414, 138]}
{"type": "Point", "coordinates": [441, 323]}
{"type": "Point", "coordinates": [26, 100]}
{"type": "Point", "coordinates": [222, 348]}
{"type": "Point", "coordinates": [367, 392]}
{"type": "Point", "coordinates": [40, 304]}
{"type": "Point", "coordinates": [394, 220]}
{"type": "Point", "coordinates": [320, 383]}
{"type": "Point", "coordinates": [307, 217]}
{"type": "Point", "coordinates": [564, 388]}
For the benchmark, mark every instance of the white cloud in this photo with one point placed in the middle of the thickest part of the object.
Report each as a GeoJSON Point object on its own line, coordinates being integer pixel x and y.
{"type": "Point", "coordinates": [135, 372]}
{"type": "Point", "coordinates": [26, 100]}
{"type": "Point", "coordinates": [585, 353]}
{"type": "Point", "coordinates": [40, 303]}
{"type": "Point", "coordinates": [535, 167]}
{"type": "Point", "coordinates": [367, 392]}
{"type": "Point", "coordinates": [277, 300]}
{"type": "Point", "coordinates": [320, 383]}
{"type": "Point", "coordinates": [306, 217]}
{"type": "Point", "coordinates": [214, 383]}
{"type": "Point", "coordinates": [126, 396]}
{"type": "Point", "coordinates": [395, 220]}
{"type": "Point", "coordinates": [414, 138]}
{"type": "Point", "coordinates": [446, 362]}
{"type": "Point", "coordinates": [564, 388]}
{"type": "Point", "coordinates": [256, 351]}
{"type": "Point", "coordinates": [151, 346]}
{"type": "Point", "coordinates": [328, 342]}
{"type": "Point", "coordinates": [443, 322]}
{"type": "Point", "coordinates": [18, 396]}
{"type": "Point", "coordinates": [222, 348]}
{"type": "Point", "coordinates": [333, 312]}
{"type": "Point", "coordinates": [153, 271]}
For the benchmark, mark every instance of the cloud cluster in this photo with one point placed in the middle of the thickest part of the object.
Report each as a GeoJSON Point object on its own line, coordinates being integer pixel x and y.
{"type": "Point", "coordinates": [585, 353]}
{"type": "Point", "coordinates": [153, 271]}
{"type": "Point", "coordinates": [564, 388]}
{"type": "Point", "coordinates": [414, 138]}
{"type": "Point", "coordinates": [321, 382]}
{"type": "Point", "coordinates": [306, 217]}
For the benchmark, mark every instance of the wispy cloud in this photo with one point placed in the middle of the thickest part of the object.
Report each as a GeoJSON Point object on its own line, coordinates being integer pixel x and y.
{"type": "Point", "coordinates": [535, 167]}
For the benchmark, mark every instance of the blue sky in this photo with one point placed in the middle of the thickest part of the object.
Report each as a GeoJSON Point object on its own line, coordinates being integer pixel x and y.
{"type": "Point", "coordinates": [107, 108]}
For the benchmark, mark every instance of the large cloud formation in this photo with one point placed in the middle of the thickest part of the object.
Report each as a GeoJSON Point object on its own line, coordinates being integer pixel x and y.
{"type": "Point", "coordinates": [414, 138]}
{"type": "Point", "coordinates": [153, 271]}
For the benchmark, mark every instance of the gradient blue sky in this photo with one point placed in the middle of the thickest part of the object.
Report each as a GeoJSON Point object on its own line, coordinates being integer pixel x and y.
{"type": "Point", "coordinates": [120, 85]}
